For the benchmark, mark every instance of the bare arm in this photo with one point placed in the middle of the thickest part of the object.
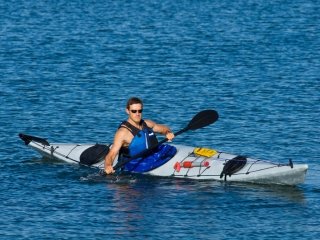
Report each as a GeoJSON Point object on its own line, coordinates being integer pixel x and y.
{"type": "Point", "coordinates": [119, 140]}
{"type": "Point", "coordinates": [160, 128]}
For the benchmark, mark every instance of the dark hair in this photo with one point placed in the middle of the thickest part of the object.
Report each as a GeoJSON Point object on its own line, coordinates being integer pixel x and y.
{"type": "Point", "coordinates": [134, 100]}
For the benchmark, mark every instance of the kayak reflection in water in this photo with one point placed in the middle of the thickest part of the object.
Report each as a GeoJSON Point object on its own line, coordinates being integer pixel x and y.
{"type": "Point", "coordinates": [134, 135]}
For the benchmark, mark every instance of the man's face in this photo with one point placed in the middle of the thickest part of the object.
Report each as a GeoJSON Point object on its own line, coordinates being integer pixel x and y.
{"type": "Point", "coordinates": [135, 112]}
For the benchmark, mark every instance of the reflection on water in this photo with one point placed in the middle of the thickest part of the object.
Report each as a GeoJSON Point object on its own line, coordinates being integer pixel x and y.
{"type": "Point", "coordinates": [289, 193]}
{"type": "Point", "coordinates": [125, 199]}
{"type": "Point", "coordinates": [132, 182]}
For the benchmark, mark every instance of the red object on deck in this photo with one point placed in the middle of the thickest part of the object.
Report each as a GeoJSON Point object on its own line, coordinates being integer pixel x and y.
{"type": "Point", "coordinates": [190, 164]}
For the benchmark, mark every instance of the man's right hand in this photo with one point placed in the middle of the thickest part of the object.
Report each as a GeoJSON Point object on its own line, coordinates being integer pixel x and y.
{"type": "Point", "coordinates": [109, 170]}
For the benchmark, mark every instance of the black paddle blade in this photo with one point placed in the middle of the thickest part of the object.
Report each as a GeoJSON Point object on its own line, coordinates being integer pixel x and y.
{"type": "Point", "coordinates": [202, 119]}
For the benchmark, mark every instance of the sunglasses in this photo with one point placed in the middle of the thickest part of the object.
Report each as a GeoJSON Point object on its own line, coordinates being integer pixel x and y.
{"type": "Point", "coordinates": [135, 111]}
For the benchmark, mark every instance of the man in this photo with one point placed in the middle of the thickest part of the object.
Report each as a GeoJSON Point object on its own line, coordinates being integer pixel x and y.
{"type": "Point", "coordinates": [129, 129]}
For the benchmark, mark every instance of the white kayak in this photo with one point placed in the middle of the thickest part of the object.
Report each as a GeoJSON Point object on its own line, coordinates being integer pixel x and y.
{"type": "Point", "coordinates": [187, 162]}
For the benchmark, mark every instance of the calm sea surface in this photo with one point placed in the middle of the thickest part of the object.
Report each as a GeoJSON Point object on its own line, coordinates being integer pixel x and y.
{"type": "Point", "coordinates": [67, 69]}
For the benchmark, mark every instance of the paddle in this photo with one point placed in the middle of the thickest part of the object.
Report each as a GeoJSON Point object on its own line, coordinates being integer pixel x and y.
{"type": "Point", "coordinates": [200, 120]}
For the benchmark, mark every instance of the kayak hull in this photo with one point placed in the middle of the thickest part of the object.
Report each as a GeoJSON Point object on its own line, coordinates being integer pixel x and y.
{"type": "Point", "coordinates": [187, 164]}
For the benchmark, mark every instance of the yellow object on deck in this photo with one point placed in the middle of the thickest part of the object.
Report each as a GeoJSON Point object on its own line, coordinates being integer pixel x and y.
{"type": "Point", "coordinates": [205, 152]}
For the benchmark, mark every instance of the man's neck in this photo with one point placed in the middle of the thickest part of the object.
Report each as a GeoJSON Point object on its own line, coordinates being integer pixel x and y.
{"type": "Point", "coordinates": [135, 124]}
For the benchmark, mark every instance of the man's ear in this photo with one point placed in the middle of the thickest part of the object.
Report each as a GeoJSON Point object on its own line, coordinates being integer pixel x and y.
{"type": "Point", "coordinates": [127, 111]}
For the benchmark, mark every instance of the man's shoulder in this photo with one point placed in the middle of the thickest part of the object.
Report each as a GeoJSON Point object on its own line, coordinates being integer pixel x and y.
{"type": "Point", "coordinates": [123, 131]}
{"type": "Point", "coordinates": [150, 123]}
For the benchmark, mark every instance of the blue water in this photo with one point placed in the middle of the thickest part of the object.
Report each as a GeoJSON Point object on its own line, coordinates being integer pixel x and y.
{"type": "Point", "coordinates": [67, 69]}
